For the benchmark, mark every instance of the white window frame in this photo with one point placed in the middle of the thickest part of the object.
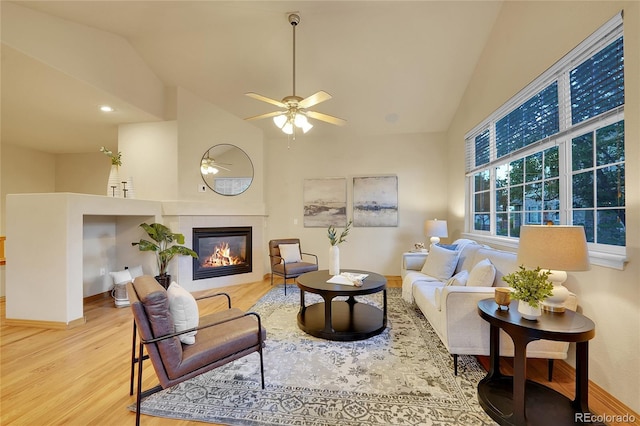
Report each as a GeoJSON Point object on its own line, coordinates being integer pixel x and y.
{"type": "Point", "coordinates": [603, 255]}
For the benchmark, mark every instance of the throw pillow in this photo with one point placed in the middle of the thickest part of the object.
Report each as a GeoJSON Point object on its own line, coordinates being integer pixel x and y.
{"type": "Point", "coordinates": [440, 263]}
{"type": "Point", "coordinates": [290, 253]}
{"type": "Point", "coordinates": [448, 246]}
{"type": "Point", "coordinates": [184, 310]}
{"type": "Point", "coordinates": [136, 271]}
{"type": "Point", "coordinates": [121, 277]}
{"type": "Point", "coordinates": [482, 275]}
{"type": "Point", "coordinates": [459, 279]}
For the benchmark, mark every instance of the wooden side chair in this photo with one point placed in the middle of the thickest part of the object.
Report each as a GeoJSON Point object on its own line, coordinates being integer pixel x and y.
{"type": "Point", "coordinates": [287, 259]}
{"type": "Point", "coordinates": [221, 338]}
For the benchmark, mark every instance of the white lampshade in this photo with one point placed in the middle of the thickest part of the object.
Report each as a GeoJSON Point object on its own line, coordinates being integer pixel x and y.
{"type": "Point", "coordinates": [435, 229]}
{"type": "Point", "coordinates": [556, 249]}
{"type": "Point", "coordinates": [300, 120]}
{"type": "Point", "coordinates": [306, 127]}
{"type": "Point", "coordinates": [553, 247]}
{"type": "Point", "coordinates": [288, 128]}
{"type": "Point", "coordinates": [279, 120]}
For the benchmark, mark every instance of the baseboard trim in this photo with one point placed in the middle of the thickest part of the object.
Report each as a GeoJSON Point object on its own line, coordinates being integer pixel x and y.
{"type": "Point", "coordinates": [613, 408]}
{"type": "Point", "coordinates": [46, 324]}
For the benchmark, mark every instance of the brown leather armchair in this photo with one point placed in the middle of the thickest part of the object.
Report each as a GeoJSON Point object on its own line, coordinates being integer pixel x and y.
{"type": "Point", "coordinates": [222, 337]}
{"type": "Point", "coordinates": [285, 269]}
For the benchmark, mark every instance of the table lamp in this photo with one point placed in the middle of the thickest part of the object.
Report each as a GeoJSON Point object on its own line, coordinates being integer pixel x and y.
{"type": "Point", "coordinates": [555, 248]}
{"type": "Point", "coordinates": [435, 229]}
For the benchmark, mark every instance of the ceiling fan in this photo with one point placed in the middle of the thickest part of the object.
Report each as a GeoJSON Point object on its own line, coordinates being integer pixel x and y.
{"type": "Point", "coordinates": [209, 165]}
{"type": "Point", "coordinates": [295, 109]}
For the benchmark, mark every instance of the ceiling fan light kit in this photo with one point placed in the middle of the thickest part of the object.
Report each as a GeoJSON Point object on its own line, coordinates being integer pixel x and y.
{"type": "Point", "coordinates": [296, 113]}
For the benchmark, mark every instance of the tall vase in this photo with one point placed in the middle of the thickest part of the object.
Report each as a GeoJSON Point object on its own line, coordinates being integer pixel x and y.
{"type": "Point", "coordinates": [334, 260]}
{"type": "Point", "coordinates": [529, 312]}
{"type": "Point", "coordinates": [113, 184]}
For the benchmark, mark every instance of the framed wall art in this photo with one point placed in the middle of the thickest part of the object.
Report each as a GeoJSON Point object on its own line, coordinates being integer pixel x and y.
{"type": "Point", "coordinates": [375, 201]}
{"type": "Point", "coordinates": [325, 202]}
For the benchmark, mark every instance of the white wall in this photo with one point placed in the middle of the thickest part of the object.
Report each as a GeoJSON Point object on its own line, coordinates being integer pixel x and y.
{"type": "Point", "coordinates": [516, 53]}
{"type": "Point", "coordinates": [100, 58]}
{"type": "Point", "coordinates": [202, 125]}
{"type": "Point", "coordinates": [422, 192]}
{"type": "Point", "coordinates": [150, 158]}
{"type": "Point", "coordinates": [82, 173]}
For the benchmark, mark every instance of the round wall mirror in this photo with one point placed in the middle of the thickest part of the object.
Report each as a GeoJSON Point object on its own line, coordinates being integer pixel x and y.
{"type": "Point", "coordinates": [226, 169]}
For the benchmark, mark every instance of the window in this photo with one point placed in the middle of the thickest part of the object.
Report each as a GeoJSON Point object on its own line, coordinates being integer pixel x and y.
{"type": "Point", "coordinates": [554, 154]}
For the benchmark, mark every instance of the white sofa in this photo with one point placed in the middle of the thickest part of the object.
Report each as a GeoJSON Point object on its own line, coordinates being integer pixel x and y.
{"type": "Point", "coordinates": [452, 309]}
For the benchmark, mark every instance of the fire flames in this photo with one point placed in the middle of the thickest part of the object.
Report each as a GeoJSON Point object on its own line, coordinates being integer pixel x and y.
{"type": "Point", "coordinates": [221, 257]}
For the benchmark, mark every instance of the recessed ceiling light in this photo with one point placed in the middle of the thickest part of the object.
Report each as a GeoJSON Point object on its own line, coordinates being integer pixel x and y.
{"type": "Point", "coordinates": [106, 108]}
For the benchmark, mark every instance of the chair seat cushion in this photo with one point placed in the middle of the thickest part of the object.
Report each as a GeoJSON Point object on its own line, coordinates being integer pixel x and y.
{"type": "Point", "coordinates": [217, 342]}
{"type": "Point", "coordinates": [294, 269]}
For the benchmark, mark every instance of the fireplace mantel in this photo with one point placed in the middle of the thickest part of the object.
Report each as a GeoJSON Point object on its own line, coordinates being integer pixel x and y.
{"type": "Point", "coordinates": [201, 208]}
{"type": "Point", "coordinates": [50, 293]}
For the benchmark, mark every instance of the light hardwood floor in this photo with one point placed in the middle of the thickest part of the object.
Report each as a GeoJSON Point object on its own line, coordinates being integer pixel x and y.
{"type": "Point", "coordinates": [81, 376]}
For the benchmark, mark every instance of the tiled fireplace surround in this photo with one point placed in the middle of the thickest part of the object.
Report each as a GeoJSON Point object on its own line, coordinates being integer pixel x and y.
{"type": "Point", "coordinates": [186, 224]}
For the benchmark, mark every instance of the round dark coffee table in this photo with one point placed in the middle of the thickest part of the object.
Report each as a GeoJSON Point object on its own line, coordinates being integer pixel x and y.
{"type": "Point", "coordinates": [343, 320]}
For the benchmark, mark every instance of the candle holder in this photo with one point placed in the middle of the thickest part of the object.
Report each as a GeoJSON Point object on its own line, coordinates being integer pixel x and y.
{"type": "Point", "coordinates": [502, 297]}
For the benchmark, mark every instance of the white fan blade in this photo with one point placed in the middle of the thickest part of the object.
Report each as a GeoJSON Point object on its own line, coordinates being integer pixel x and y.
{"type": "Point", "coordinates": [267, 115]}
{"type": "Point", "coordinates": [328, 118]}
{"type": "Point", "coordinates": [314, 99]}
{"type": "Point", "coordinates": [265, 99]}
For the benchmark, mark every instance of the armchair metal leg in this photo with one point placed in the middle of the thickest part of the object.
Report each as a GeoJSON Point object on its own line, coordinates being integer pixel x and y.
{"type": "Point", "coordinates": [139, 390]}
{"type": "Point", "coordinates": [550, 369]}
{"type": "Point", "coordinates": [261, 367]}
{"type": "Point", "coordinates": [455, 364]}
{"type": "Point", "coordinates": [139, 394]}
{"type": "Point", "coordinates": [135, 359]}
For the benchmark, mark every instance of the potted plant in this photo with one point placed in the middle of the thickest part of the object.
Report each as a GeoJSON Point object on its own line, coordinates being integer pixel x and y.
{"type": "Point", "coordinates": [164, 248]}
{"type": "Point", "coordinates": [334, 251]}
{"type": "Point", "coordinates": [530, 287]}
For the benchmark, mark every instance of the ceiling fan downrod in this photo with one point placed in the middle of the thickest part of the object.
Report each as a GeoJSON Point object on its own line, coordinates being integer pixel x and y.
{"type": "Point", "coordinates": [294, 20]}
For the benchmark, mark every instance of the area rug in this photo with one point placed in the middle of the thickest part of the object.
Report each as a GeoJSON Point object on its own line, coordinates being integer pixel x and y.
{"type": "Point", "coordinates": [404, 376]}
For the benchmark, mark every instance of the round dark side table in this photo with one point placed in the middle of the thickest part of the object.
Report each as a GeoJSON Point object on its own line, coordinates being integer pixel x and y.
{"type": "Point", "coordinates": [514, 400]}
{"type": "Point", "coordinates": [343, 320]}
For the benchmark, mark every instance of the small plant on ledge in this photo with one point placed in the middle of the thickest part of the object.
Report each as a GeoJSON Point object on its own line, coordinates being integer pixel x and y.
{"type": "Point", "coordinates": [333, 238]}
{"type": "Point", "coordinates": [164, 248]}
{"type": "Point", "coordinates": [116, 159]}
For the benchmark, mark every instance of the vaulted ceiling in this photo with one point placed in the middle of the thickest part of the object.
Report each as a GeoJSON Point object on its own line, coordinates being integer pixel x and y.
{"type": "Point", "coordinates": [391, 66]}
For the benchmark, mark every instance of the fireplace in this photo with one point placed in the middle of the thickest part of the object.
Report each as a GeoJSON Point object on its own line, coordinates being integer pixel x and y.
{"type": "Point", "coordinates": [221, 252]}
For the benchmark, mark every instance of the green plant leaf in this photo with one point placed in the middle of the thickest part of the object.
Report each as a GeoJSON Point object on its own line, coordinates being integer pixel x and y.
{"type": "Point", "coordinates": [530, 286]}
{"type": "Point", "coordinates": [164, 249]}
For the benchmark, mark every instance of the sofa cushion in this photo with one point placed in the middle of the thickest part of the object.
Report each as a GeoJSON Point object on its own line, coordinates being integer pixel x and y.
{"type": "Point", "coordinates": [440, 263]}
{"type": "Point", "coordinates": [184, 310]}
{"type": "Point", "coordinates": [448, 246]}
{"type": "Point", "coordinates": [504, 262]}
{"type": "Point", "coordinates": [467, 256]}
{"type": "Point", "coordinates": [411, 279]}
{"type": "Point", "coordinates": [460, 278]}
{"type": "Point", "coordinates": [482, 275]}
{"type": "Point", "coordinates": [290, 253]}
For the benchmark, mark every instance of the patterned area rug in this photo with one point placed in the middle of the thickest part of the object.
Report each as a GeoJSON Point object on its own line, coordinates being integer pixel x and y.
{"type": "Point", "coordinates": [403, 376]}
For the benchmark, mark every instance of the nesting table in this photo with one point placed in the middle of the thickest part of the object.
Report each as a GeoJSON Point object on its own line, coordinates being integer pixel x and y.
{"type": "Point", "coordinates": [514, 400]}
{"type": "Point", "coordinates": [344, 320]}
